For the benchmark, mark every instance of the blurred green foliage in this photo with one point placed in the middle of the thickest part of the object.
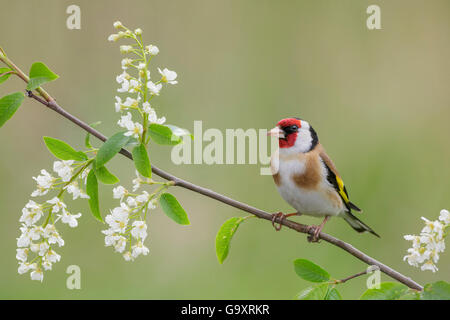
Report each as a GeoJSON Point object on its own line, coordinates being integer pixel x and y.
{"type": "Point", "coordinates": [378, 99]}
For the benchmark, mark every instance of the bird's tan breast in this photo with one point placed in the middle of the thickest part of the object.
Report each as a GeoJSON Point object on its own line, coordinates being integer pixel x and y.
{"type": "Point", "coordinates": [311, 176]}
{"type": "Point", "coordinates": [301, 180]}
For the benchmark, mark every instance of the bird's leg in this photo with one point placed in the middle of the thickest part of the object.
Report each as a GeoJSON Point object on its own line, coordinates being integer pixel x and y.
{"type": "Point", "coordinates": [317, 229]}
{"type": "Point", "coordinates": [281, 216]}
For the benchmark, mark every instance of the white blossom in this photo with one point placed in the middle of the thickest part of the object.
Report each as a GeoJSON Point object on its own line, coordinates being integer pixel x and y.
{"type": "Point", "coordinates": [126, 49]}
{"type": "Point", "coordinates": [57, 204]}
{"type": "Point", "coordinates": [152, 117]}
{"type": "Point", "coordinates": [119, 192]}
{"type": "Point", "coordinates": [118, 219]}
{"type": "Point", "coordinates": [131, 202]}
{"type": "Point", "coordinates": [139, 249]}
{"type": "Point", "coordinates": [427, 246]}
{"type": "Point", "coordinates": [142, 198]}
{"type": "Point", "coordinates": [63, 169]}
{"type": "Point", "coordinates": [154, 88]}
{"type": "Point", "coordinates": [76, 191]}
{"type": "Point", "coordinates": [25, 267]}
{"type": "Point", "coordinates": [70, 219]}
{"type": "Point", "coordinates": [137, 182]}
{"type": "Point", "coordinates": [444, 217]}
{"type": "Point", "coordinates": [114, 37]}
{"type": "Point", "coordinates": [152, 50]}
{"type": "Point", "coordinates": [52, 235]}
{"type": "Point", "coordinates": [168, 76]}
{"type": "Point", "coordinates": [127, 62]}
{"type": "Point", "coordinates": [37, 275]}
{"type": "Point", "coordinates": [31, 213]}
{"type": "Point", "coordinates": [44, 183]}
{"type": "Point", "coordinates": [122, 77]}
{"type": "Point", "coordinates": [139, 230]}
{"type": "Point", "coordinates": [135, 129]}
{"type": "Point", "coordinates": [127, 256]}
{"type": "Point", "coordinates": [120, 244]}
{"type": "Point", "coordinates": [22, 254]}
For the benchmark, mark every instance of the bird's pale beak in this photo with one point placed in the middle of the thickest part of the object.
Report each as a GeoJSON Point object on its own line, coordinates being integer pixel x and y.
{"type": "Point", "coordinates": [276, 132]}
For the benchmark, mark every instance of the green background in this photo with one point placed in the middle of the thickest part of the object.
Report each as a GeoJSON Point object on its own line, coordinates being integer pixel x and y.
{"type": "Point", "coordinates": [379, 101]}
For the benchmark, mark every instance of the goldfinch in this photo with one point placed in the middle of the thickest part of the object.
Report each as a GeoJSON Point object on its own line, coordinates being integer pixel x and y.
{"type": "Point", "coordinates": [307, 179]}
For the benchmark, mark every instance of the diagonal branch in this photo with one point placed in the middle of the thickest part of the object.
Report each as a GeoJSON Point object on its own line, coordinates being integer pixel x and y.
{"type": "Point", "coordinates": [49, 102]}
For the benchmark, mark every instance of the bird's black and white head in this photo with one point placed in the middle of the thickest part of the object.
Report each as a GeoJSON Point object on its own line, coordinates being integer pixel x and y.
{"type": "Point", "coordinates": [295, 135]}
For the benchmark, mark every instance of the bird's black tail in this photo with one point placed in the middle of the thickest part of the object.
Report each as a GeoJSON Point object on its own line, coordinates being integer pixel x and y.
{"type": "Point", "coordinates": [357, 224]}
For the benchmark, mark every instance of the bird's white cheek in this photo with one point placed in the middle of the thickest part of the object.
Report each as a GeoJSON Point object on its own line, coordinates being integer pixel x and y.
{"type": "Point", "coordinates": [303, 142]}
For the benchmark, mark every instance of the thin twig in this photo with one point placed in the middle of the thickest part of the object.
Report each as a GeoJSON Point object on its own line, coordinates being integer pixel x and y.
{"type": "Point", "coordinates": [351, 277]}
{"type": "Point", "coordinates": [49, 102]}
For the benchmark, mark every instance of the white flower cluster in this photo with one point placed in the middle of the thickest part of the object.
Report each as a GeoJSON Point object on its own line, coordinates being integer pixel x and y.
{"type": "Point", "coordinates": [427, 246]}
{"type": "Point", "coordinates": [35, 252]}
{"type": "Point", "coordinates": [140, 86]}
{"type": "Point", "coordinates": [127, 228]}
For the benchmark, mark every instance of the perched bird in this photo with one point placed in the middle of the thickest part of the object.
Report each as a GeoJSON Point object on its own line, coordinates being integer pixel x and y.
{"type": "Point", "coordinates": [307, 179]}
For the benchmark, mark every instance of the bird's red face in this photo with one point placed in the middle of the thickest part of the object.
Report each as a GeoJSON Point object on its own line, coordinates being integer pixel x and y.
{"type": "Point", "coordinates": [286, 131]}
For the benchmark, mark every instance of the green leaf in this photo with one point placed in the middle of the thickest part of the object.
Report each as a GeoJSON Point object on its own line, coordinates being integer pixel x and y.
{"type": "Point", "coordinates": [333, 294]}
{"type": "Point", "coordinates": [87, 141]}
{"type": "Point", "coordinates": [40, 74]}
{"type": "Point", "coordinates": [309, 271]}
{"type": "Point", "coordinates": [318, 292]}
{"type": "Point", "coordinates": [141, 161]}
{"type": "Point", "coordinates": [410, 295]}
{"type": "Point", "coordinates": [436, 291]}
{"type": "Point", "coordinates": [224, 236]}
{"type": "Point", "coordinates": [133, 142]}
{"type": "Point", "coordinates": [6, 76]}
{"type": "Point", "coordinates": [105, 176]}
{"type": "Point", "coordinates": [63, 151]}
{"type": "Point", "coordinates": [387, 291]}
{"type": "Point", "coordinates": [9, 105]}
{"type": "Point", "coordinates": [111, 147]}
{"type": "Point", "coordinates": [163, 135]}
{"type": "Point", "coordinates": [179, 132]}
{"type": "Point", "coordinates": [92, 192]}
{"type": "Point", "coordinates": [173, 209]}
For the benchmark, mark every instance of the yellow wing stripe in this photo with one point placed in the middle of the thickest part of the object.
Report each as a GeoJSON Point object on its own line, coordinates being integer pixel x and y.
{"type": "Point", "coordinates": [341, 189]}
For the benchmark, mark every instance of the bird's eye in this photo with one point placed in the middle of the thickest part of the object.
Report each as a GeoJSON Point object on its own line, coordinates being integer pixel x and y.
{"type": "Point", "coordinates": [290, 129]}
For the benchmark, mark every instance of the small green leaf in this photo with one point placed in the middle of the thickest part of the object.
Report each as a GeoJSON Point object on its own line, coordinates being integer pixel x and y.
{"type": "Point", "coordinates": [63, 151]}
{"type": "Point", "coordinates": [410, 295]}
{"type": "Point", "coordinates": [309, 271]}
{"type": "Point", "coordinates": [111, 147]}
{"type": "Point", "coordinates": [87, 141]}
{"type": "Point", "coordinates": [224, 236]}
{"type": "Point", "coordinates": [92, 192]}
{"type": "Point", "coordinates": [436, 291]}
{"type": "Point", "coordinates": [173, 209]}
{"type": "Point", "coordinates": [104, 176]}
{"type": "Point", "coordinates": [179, 132]}
{"type": "Point", "coordinates": [141, 161]}
{"type": "Point", "coordinates": [9, 105]}
{"type": "Point", "coordinates": [318, 292]}
{"type": "Point", "coordinates": [163, 135]}
{"type": "Point", "coordinates": [40, 74]}
{"type": "Point", "coordinates": [387, 291]}
{"type": "Point", "coordinates": [333, 294]}
{"type": "Point", "coordinates": [133, 142]}
{"type": "Point", "coordinates": [6, 76]}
